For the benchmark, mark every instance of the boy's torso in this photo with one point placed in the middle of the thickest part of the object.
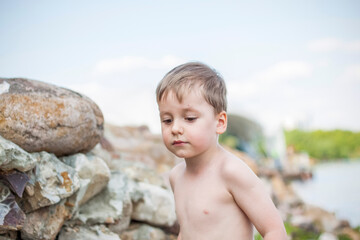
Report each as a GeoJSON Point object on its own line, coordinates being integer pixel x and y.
{"type": "Point", "coordinates": [206, 209]}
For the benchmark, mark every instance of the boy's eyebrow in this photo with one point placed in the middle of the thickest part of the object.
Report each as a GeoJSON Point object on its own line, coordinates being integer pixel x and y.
{"type": "Point", "coordinates": [190, 109]}
{"type": "Point", "coordinates": [164, 113]}
{"type": "Point", "coordinates": [187, 109]}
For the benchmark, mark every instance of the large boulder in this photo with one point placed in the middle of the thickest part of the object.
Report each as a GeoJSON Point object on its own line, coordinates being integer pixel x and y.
{"type": "Point", "coordinates": [43, 117]}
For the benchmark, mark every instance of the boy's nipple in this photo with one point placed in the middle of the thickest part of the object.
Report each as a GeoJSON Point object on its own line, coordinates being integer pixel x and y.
{"type": "Point", "coordinates": [206, 212]}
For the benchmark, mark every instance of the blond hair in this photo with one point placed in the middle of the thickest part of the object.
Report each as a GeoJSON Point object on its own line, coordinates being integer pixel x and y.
{"type": "Point", "coordinates": [184, 77]}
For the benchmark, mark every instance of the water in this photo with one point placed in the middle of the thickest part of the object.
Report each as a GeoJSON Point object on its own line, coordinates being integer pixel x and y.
{"type": "Point", "coordinates": [335, 187]}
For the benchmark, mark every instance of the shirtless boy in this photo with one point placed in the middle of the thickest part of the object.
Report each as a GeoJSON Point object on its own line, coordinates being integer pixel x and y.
{"type": "Point", "coordinates": [217, 196]}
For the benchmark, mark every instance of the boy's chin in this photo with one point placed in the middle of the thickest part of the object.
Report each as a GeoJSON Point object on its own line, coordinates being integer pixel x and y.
{"type": "Point", "coordinates": [179, 155]}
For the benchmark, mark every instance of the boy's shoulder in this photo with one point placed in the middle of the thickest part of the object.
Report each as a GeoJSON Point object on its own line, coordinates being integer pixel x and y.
{"type": "Point", "coordinates": [232, 163]}
{"type": "Point", "coordinates": [235, 169]}
{"type": "Point", "coordinates": [175, 171]}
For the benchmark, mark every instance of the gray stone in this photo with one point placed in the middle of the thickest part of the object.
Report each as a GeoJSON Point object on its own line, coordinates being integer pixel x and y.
{"type": "Point", "coordinates": [101, 152]}
{"type": "Point", "coordinates": [43, 117]}
{"type": "Point", "coordinates": [138, 172]}
{"type": "Point", "coordinates": [50, 181]}
{"type": "Point", "coordinates": [14, 157]}
{"type": "Point", "coordinates": [157, 206]}
{"type": "Point", "coordinates": [143, 232]}
{"type": "Point", "coordinates": [94, 176]}
{"type": "Point", "coordinates": [327, 236]}
{"type": "Point", "coordinates": [97, 232]}
{"type": "Point", "coordinates": [112, 206]}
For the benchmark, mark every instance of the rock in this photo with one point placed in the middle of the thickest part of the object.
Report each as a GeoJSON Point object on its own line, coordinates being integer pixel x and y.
{"type": "Point", "coordinates": [94, 176]}
{"type": "Point", "coordinates": [15, 180]}
{"type": "Point", "coordinates": [104, 154]}
{"type": "Point", "coordinates": [45, 223]}
{"type": "Point", "coordinates": [282, 192]}
{"type": "Point", "coordinates": [10, 235]}
{"type": "Point", "coordinates": [11, 216]}
{"type": "Point", "coordinates": [351, 233]}
{"type": "Point", "coordinates": [87, 233]}
{"type": "Point", "coordinates": [138, 144]}
{"type": "Point", "coordinates": [156, 207]}
{"type": "Point", "coordinates": [50, 181]}
{"type": "Point", "coordinates": [139, 172]}
{"type": "Point", "coordinates": [14, 157]}
{"type": "Point", "coordinates": [112, 206]}
{"type": "Point", "coordinates": [323, 220]}
{"type": "Point", "coordinates": [143, 232]}
{"type": "Point", "coordinates": [327, 236]}
{"type": "Point", "coordinates": [43, 117]}
{"type": "Point", "coordinates": [304, 223]}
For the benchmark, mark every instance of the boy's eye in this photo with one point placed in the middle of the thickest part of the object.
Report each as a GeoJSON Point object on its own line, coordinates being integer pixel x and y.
{"type": "Point", "coordinates": [190, 119]}
{"type": "Point", "coordinates": [167, 121]}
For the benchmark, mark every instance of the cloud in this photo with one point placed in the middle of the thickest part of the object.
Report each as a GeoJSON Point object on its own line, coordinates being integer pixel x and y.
{"type": "Point", "coordinates": [267, 79]}
{"type": "Point", "coordinates": [334, 44]}
{"type": "Point", "coordinates": [134, 63]}
{"type": "Point", "coordinates": [271, 95]}
{"type": "Point", "coordinates": [284, 71]}
{"type": "Point", "coordinates": [351, 74]}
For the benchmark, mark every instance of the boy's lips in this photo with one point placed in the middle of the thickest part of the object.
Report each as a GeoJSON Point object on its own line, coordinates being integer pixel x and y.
{"type": "Point", "coordinates": [178, 142]}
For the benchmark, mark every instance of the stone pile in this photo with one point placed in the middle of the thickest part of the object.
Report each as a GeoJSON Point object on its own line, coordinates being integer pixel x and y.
{"type": "Point", "coordinates": [80, 197]}
{"type": "Point", "coordinates": [60, 178]}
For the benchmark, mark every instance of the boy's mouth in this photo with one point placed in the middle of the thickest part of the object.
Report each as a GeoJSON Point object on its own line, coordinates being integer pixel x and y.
{"type": "Point", "coordinates": [178, 142]}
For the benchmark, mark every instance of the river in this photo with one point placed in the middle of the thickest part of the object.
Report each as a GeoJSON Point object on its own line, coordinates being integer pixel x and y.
{"type": "Point", "coordinates": [335, 187]}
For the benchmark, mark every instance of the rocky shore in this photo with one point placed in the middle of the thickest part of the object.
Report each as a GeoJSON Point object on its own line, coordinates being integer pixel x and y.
{"type": "Point", "coordinates": [65, 174]}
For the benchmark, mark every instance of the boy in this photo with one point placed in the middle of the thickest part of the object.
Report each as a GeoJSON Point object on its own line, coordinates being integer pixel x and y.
{"type": "Point", "coordinates": [216, 195]}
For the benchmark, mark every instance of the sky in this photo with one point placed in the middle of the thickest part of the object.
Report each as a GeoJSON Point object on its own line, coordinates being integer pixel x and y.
{"type": "Point", "coordinates": [286, 63]}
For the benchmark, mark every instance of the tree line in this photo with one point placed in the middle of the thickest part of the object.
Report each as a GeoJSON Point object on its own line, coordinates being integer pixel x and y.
{"type": "Point", "coordinates": [325, 145]}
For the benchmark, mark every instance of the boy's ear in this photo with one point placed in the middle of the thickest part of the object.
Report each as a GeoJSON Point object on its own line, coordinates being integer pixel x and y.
{"type": "Point", "coordinates": [221, 122]}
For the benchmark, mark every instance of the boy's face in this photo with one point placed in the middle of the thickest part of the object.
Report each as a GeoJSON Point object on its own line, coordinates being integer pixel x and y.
{"type": "Point", "coordinates": [189, 128]}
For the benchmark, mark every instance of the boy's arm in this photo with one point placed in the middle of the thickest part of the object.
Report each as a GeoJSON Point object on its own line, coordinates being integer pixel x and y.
{"type": "Point", "coordinates": [172, 175]}
{"type": "Point", "coordinates": [252, 197]}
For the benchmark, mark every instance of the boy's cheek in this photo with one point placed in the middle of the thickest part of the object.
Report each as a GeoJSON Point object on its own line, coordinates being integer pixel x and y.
{"type": "Point", "coordinates": [165, 138]}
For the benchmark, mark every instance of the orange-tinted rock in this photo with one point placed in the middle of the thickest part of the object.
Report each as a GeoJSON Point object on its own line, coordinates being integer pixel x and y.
{"type": "Point", "coordinates": [43, 117]}
{"type": "Point", "coordinates": [45, 223]}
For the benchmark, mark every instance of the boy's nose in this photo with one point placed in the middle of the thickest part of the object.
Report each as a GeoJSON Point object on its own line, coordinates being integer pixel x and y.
{"type": "Point", "coordinates": [177, 128]}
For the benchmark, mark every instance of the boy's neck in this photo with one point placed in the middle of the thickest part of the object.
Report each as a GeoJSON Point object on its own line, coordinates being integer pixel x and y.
{"type": "Point", "coordinates": [198, 164]}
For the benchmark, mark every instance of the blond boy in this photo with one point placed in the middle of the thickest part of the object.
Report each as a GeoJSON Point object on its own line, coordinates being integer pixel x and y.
{"type": "Point", "coordinates": [217, 196]}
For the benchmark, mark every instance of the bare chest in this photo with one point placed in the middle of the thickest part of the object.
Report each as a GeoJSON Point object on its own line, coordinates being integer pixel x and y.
{"type": "Point", "coordinates": [204, 203]}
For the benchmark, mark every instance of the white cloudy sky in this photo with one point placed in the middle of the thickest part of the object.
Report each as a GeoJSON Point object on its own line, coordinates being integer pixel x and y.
{"type": "Point", "coordinates": [285, 62]}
